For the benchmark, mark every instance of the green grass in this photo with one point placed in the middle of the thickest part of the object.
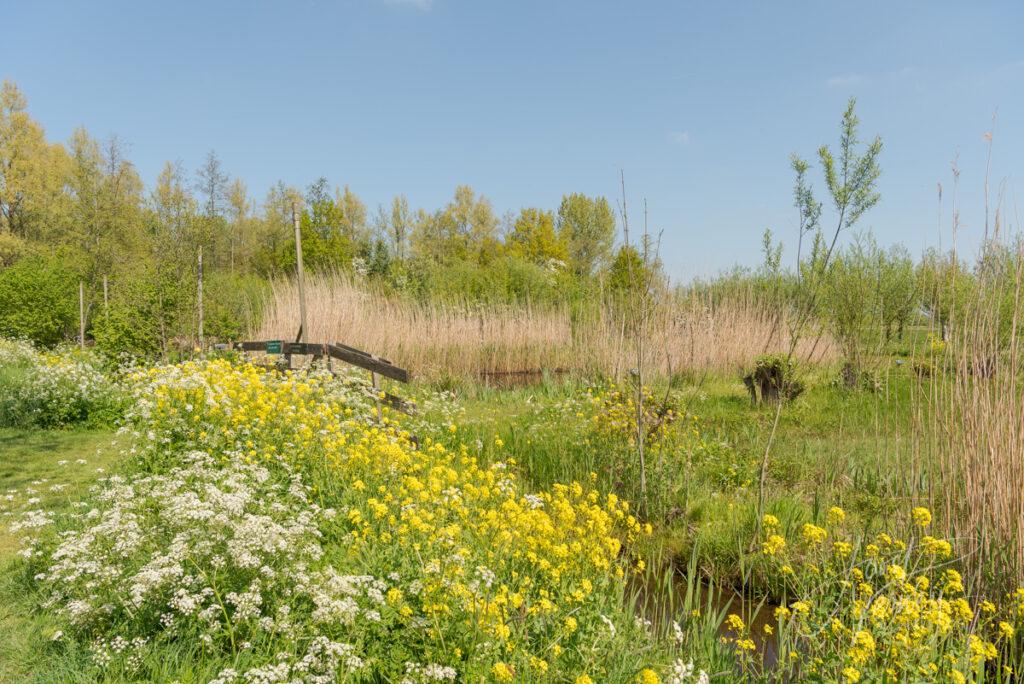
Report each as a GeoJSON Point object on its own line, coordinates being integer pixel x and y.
{"type": "Point", "coordinates": [31, 460]}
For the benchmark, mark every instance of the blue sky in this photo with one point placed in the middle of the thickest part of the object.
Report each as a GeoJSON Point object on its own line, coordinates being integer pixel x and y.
{"type": "Point", "coordinates": [699, 103]}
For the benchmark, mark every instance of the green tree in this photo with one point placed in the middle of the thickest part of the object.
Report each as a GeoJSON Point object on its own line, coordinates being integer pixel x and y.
{"type": "Point", "coordinates": [465, 229]}
{"type": "Point", "coordinates": [211, 225]}
{"type": "Point", "coordinates": [166, 269]}
{"type": "Point", "coordinates": [897, 288]}
{"type": "Point", "coordinates": [32, 172]}
{"type": "Point", "coordinates": [626, 271]}
{"type": "Point", "coordinates": [274, 232]}
{"type": "Point", "coordinates": [107, 198]}
{"type": "Point", "coordinates": [947, 286]}
{"type": "Point", "coordinates": [351, 216]}
{"type": "Point", "coordinates": [851, 177]}
{"type": "Point", "coordinates": [239, 218]}
{"type": "Point", "coordinates": [587, 226]}
{"type": "Point", "coordinates": [534, 238]}
{"type": "Point", "coordinates": [851, 302]}
{"type": "Point", "coordinates": [400, 225]}
{"type": "Point", "coordinates": [323, 213]}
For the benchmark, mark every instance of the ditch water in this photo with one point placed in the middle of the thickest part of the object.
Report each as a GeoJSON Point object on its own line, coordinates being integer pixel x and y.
{"type": "Point", "coordinates": [661, 604]}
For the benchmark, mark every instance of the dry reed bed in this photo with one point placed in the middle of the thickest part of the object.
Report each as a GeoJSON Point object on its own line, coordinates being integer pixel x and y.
{"type": "Point", "coordinates": [971, 425]}
{"type": "Point", "coordinates": [436, 339]}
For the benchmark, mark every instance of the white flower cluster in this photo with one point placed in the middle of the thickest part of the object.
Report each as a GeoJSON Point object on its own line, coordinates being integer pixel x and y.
{"type": "Point", "coordinates": [683, 672]}
{"type": "Point", "coordinates": [16, 353]}
{"type": "Point", "coordinates": [422, 674]}
{"type": "Point", "coordinates": [53, 389]}
{"type": "Point", "coordinates": [229, 555]}
{"type": "Point", "coordinates": [164, 547]}
{"type": "Point", "coordinates": [323, 661]}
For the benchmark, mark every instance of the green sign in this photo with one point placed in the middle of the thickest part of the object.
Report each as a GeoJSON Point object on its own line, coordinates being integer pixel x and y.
{"type": "Point", "coordinates": [274, 347]}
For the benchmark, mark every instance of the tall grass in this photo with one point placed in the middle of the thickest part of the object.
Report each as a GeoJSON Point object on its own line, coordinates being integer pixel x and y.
{"type": "Point", "coordinates": [972, 412]}
{"type": "Point", "coordinates": [694, 332]}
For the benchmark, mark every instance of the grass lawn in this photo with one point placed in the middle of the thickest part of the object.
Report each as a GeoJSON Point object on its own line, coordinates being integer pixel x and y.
{"type": "Point", "coordinates": [55, 467]}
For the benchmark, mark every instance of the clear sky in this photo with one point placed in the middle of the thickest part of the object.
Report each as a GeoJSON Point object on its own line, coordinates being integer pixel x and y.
{"type": "Point", "coordinates": [700, 103]}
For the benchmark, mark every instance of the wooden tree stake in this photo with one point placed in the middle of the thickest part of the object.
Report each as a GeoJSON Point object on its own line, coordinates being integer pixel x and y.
{"type": "Point", "coordinates": [81, 314]}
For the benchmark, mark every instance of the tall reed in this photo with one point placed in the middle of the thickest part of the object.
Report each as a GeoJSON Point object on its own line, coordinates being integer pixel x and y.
{"type": "Point", "coordinates": [972, 413]}
{"type": "Point", "coordinates": [436, 339]}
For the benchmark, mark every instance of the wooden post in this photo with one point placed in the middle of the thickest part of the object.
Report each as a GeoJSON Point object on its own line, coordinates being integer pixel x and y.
{"type": "Point", "coordinates": [200, 297]}
{"type": "Point", "coordinates": [299, 277]}
{"type": "Point", "coordinates": [81, 314]}
{"type": "Point", "coordinates": [105, 299]}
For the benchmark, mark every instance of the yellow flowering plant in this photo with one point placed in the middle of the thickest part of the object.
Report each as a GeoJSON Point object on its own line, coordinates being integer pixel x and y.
{"type": "Point", "coordinates": [879, 608]}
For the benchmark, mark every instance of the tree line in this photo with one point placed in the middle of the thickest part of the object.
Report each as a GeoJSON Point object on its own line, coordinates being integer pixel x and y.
{"type": "Point", "coordinates": [78, 211]}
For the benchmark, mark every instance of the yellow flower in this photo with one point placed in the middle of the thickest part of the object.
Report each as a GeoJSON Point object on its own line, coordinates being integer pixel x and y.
{"type": "Point", "coordinates": [770, 521]}
{"type": "Point", "coordinates": [863, 647]}
{"type": "Point", "coordinates": [922, 516]}
{"type": "Point", "coordinates": [584, 679]}
{"type": "Point", "coordinates": [735, 623]}
{"type": "Point", "coordinates": [570, 625]}
{"type": "Point", "coordinates": [981, 650]}
{"type": "Point", "coordinates": [842, 549]}
{"type": "Point", "coordinates": [1006, 629]}
{"type": "Point", "coordinates": [953, 582]}
{"type": "Point", "coordinates": [836, 516]}
{"type": "Point", "coordinates": [895, 573]}
{"type": "Point", "coordinates": [851, 674]}
{"type": "Point", "coordinates": [936, 547]}
{"type": "Point", "coordinates": [774, 544]}
{"type": "Point", "coordinates": [801, 607]}
{"type": "Point", "coordinates": [813, 534]}
{"type": "Point", "coordinates": [502, 672]}
{"type": "Point", "coordinates": [647, 676]}
{"type": "Point", "coordinates": [746, 645]}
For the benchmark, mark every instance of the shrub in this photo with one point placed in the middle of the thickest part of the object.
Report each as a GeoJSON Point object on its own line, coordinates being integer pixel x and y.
{"type": "Point", "coordinates": [233, 304]}
{"type": "Point", "coordinates": [772, 379]}
{"type": "Point", "coordinates": [149, 303]}
{"type": "Point", "coordinates": [39, 298]}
